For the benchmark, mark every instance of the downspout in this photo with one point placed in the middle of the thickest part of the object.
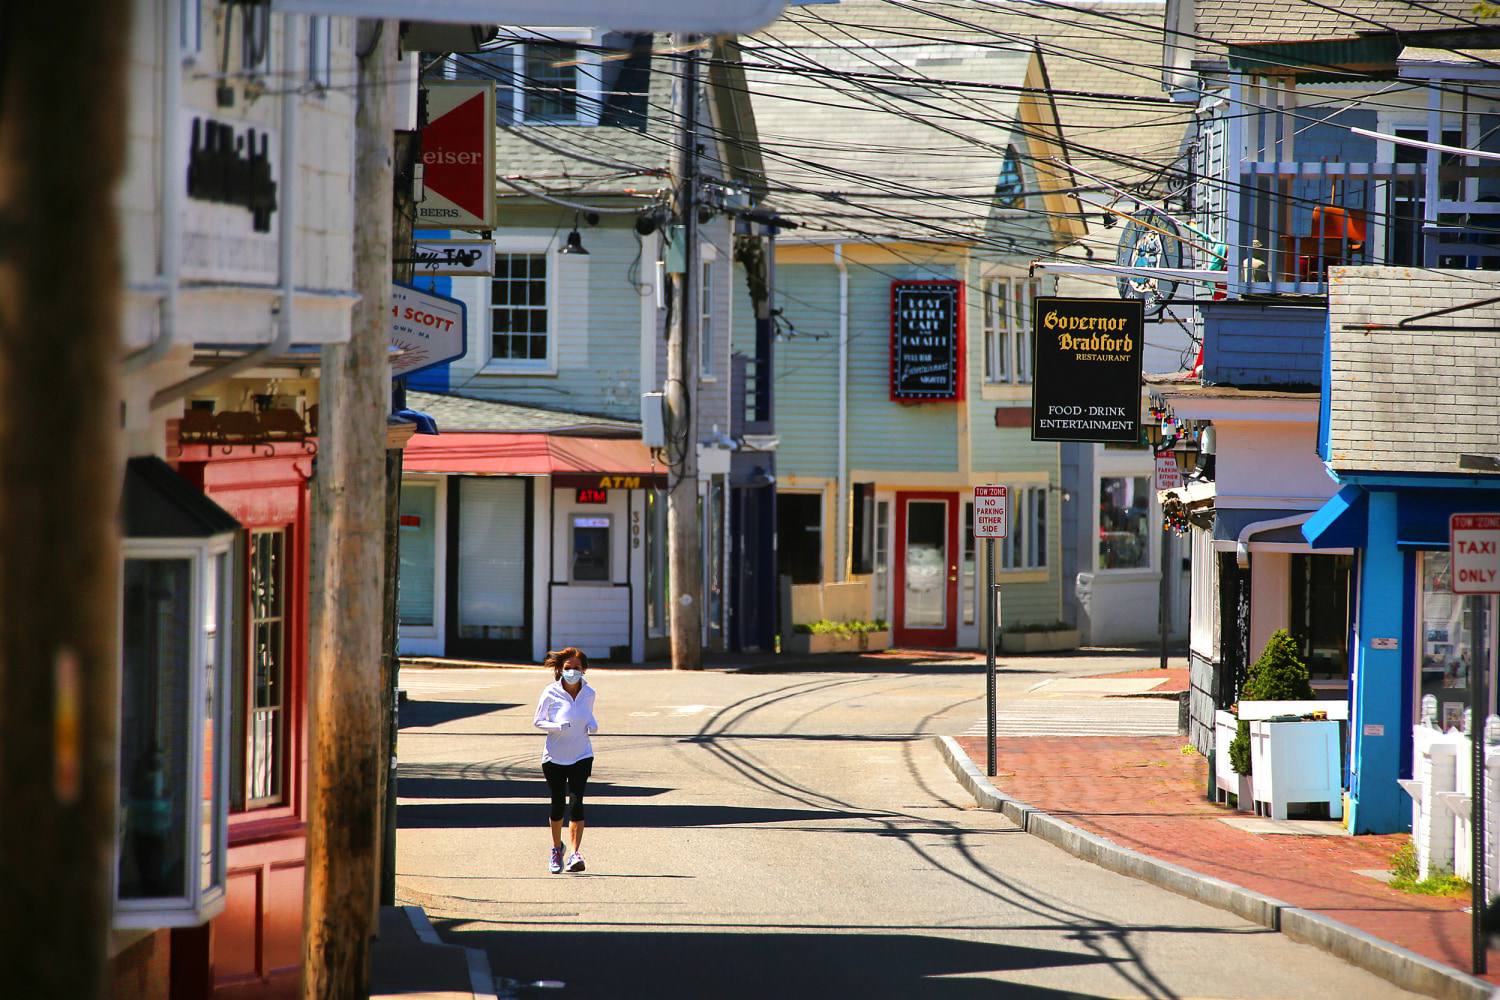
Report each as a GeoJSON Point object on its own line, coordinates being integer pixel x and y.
{"type": "Point", "coordinates": [841, 550]}
{"type": "Point", "coordinates": [173, 179]}
{"type": "Point", "coordinates": [1242, 544]}
{"type": "Point", "coordinates": [286, 240]}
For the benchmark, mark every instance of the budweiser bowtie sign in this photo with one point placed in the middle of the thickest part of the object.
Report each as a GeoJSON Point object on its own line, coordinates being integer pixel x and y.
{"type": "Point", "coordinates": [458, 157]}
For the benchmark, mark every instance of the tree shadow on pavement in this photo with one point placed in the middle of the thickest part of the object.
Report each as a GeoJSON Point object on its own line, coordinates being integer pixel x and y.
{"type": "Point", "coordinates": [736, 965]}
{"type": "Point", "coordinates": [610, 815]}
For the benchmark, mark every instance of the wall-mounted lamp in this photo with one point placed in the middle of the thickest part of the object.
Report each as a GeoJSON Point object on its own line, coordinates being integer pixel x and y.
{"type": "Point", "coordinates": [574, 244]}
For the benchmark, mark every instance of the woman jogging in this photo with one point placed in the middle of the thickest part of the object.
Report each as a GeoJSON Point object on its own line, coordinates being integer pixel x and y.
{"type": "Point", "coordinates": [566, 714]}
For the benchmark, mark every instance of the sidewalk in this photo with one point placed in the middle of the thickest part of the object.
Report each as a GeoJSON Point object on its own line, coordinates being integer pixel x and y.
{"type": "Point", "coordinates": [1145, 795]}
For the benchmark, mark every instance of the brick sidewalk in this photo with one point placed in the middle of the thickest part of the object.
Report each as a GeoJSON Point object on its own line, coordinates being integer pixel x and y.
{"type": "Point", "coordinates": [1145, 794]}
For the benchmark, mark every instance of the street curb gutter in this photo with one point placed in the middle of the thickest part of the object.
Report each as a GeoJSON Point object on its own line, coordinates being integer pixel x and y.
{"type": "Point", "coordinates": [1406, 969]}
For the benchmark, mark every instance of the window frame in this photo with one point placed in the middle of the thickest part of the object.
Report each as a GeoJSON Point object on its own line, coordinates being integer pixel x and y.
{"type": "Point", "coordinates": [483, 331]}
{"type": "Point", "coordinates": [320, 53]}
{"type": "Point", "coordinates": [1152, 519]}
{"type": "Point", "coordinates": [587, 77]}
{"type": "Point", "coordinates": [211, 575]}
{"type": "Point", "coordinates": [255, 19]}
{"type": "Point", "coordinates": [1008, 347]}
{"type": "Point", "coordinates": [1026, 530]}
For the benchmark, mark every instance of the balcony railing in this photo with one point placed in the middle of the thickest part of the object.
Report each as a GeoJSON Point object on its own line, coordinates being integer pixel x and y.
{"type": "Point", "coordinates": [1291, 222]}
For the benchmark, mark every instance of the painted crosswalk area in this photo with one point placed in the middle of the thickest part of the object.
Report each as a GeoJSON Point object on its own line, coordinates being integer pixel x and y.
{"type": "Point", "coordinates": [1082, 717]}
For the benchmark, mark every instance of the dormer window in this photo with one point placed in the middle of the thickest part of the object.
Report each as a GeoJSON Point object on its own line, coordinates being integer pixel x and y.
{"type": "Point", "coordinates": [549, 92]}
{"type": "Point", "coordinates": [1009, 187]}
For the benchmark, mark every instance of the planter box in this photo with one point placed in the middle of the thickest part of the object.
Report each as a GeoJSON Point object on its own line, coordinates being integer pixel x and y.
{"type": "Point", "coordinates": [1295, 762]}
{"type": "Point", "coordinates": [832, 642]}
{"type": "Point", "coordinates": [1226, 781]}
{"type": "Point", "coordinates": [1039, 642]}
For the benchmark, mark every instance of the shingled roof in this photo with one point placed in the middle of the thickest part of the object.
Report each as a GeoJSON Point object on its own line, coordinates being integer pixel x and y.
{"type": "Point", "coordinates": [1410, 399]}
{"type": "Point", "coordinates": [906, 138]}
{"type": "Point", "coordinates": [1236, 22]}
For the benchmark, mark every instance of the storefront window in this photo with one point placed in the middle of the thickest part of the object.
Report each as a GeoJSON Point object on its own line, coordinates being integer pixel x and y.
{"type": "Point", "coordinates": [1445, 642]}
{"type": "Point", "coordinates": [656, 563]}
{"type": "Point", "coordinates": [1124, 522]}
{"type": "Point", "coordinates": [882, 558]}
{"type": "Point", "coordinates": [416, 596]}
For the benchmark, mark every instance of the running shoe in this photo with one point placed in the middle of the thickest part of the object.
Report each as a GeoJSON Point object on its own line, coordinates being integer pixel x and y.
{"type": "Point", "coordinates": [556, 864]}
{"type": "Point", "coordinates": [575, 863]}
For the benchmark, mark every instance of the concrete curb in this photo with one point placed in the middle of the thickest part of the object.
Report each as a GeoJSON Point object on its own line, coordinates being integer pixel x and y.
{"type": "Point", "coordinates": [1405, 968]}
{"type": "Point", "coordinates": [481, 980]}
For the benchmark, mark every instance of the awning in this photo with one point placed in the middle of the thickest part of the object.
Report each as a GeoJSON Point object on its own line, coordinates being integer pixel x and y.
{"type": "Point", "coordinates": [1342, 522]}
{"type": "Point", "coordinates": [528, 455]}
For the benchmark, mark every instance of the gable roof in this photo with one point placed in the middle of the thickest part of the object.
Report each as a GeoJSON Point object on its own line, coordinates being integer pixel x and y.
{"type": "Point", "coordinates": [843, 104]}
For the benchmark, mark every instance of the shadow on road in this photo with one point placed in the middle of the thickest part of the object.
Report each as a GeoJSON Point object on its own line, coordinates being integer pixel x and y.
{"type": "Point", "coordinates": [611, 815]}
{"type": "Point", "coordinates": [423, 714]}
{"type": "Point", "coordinates": [640, 965]}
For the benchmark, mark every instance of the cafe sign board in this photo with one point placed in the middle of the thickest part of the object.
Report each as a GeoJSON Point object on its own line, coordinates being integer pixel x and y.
{"type": "Point", "coordinates": [1086, 376]}
{"type": "Point", "coordinates": [926, 340]}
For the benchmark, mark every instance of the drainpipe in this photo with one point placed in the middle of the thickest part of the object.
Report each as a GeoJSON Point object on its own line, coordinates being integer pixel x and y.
{"type": "Point", "coordinates": [173, 179]}
{"type": "Point", "coordinates": [1242, 544]}
{"type": "Point", "coordinates": [841, 550]}
{"type": "Point", "coordinates": [286, 241]}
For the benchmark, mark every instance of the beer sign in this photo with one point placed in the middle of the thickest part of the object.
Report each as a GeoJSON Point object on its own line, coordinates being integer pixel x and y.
{"type": "Point", "coordinates": [1087, 370]}
{"type": "Point", "coordinates": [926, 348]}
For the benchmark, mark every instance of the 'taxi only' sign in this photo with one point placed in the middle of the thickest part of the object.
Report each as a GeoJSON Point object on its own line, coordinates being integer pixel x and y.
{"type": "Point", "coordinates": [1474, 546]}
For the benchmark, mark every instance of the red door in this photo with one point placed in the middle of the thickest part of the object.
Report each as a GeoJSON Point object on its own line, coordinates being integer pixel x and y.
{"type": "Point", "coordinates": [926, 583]}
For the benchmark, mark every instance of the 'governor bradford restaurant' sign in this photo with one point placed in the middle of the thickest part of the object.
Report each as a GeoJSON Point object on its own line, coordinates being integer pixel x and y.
{"type": "Point", "coordinates": [1086, 382]}
{"type": "Point", "coordinates": [925, 342]}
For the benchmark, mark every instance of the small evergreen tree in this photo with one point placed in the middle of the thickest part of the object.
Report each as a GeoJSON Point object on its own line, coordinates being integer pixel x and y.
{"type": "Point", "coordinates": [1279, 675]}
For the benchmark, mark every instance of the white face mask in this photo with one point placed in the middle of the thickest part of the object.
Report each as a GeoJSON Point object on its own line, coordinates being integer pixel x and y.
{"type": "Point", "coordinates": [572, 676]}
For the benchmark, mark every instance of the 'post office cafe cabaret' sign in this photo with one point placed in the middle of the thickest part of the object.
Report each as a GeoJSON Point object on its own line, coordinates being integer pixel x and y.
{"type": "Point", "coordinates": [1086, 383]}
{"type": "Point", "coordinates": [926, 345]}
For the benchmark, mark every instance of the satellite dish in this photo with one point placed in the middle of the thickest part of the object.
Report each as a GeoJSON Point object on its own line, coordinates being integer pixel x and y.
{"type": "Point", "coordinates": [1149, 239]}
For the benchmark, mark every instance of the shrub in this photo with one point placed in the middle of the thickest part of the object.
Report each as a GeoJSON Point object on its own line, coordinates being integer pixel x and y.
{"type": "Point", "coordinates": [1404, 876]}
{"type": "Point", "coordinates": [1278, 675]}
{"type": "Point", "coordinates": [845, 629]}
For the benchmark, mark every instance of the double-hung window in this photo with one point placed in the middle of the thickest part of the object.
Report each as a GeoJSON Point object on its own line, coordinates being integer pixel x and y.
{"type": "Point", "coordinates": [519, 311]}
{"type": "Point", "coordinates": [1025, 543]}
{"type": "Point", "coordinates": [549, 88]}
{"type": "Point", "coordinates": [1007, 329]}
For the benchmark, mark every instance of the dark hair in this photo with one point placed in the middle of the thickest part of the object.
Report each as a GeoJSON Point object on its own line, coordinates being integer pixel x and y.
{"type": "Point", "coordinates": [557, 659]}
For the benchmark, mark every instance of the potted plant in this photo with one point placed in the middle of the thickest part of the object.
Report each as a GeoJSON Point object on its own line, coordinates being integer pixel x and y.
{"type": "Point", "coordinates": [1279, 675]}
{"type": "Point", "coordinates": [1038, 637]}
{"type": "Point", "coordinates": [838, 637]}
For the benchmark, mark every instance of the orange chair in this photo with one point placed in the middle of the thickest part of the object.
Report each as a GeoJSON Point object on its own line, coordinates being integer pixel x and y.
{"type": "Point", "coordinates": [1338, 237]}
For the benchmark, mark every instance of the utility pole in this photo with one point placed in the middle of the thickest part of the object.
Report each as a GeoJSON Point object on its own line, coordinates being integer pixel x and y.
{"type": "Point", "coordinates": [62, 153]}
{"type": "Point", "coordinates": [408, 151]}
{"type": "Point", "coordinates": [349, 498]}
{"type": "Point", "coordinates": [684, 551]}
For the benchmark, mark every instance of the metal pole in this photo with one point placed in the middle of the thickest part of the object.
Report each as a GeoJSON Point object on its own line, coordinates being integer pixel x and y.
{"type": "Point", "coordinates": [1165, 593]}
{"type": "Point", "coordinates": [1478, 712]}
{"type": "Point", "coordinates": [990, 621]}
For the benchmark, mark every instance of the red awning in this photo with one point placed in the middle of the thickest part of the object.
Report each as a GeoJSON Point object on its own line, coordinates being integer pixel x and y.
{"type": "Point", "coordinates": [500, 454]}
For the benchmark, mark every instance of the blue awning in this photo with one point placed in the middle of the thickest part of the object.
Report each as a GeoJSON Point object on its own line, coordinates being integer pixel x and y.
{"type": "Point", "coordinates": [1342, 522]}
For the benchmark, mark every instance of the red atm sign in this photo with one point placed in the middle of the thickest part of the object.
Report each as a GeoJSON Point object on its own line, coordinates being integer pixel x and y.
{"type": "Point", "coordinates": [1474, 544]}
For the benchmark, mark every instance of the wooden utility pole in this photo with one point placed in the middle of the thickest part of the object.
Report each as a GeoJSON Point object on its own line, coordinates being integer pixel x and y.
{"type": "Point", "coordinates": [349, 497]}
{"type": "Point", "coordinates": [62, 152]}
{"type": "Point", "coordinates": [684, 550]}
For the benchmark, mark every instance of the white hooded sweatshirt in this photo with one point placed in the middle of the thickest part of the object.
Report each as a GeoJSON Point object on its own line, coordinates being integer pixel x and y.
{"type": "Point", "coordinates": [567, 721]}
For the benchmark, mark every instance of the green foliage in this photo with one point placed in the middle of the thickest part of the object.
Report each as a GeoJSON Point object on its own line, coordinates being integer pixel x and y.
{"type": "Point", "coordinates": [1405, 871]}
{"type": "Point", "coordinates": [1036, 627]}
{"type": "Point", "coordinates": [1239, 749]}
{"type": "Point", "coordinates": [845, 629]}
{"type": "Point", "coordinates": [1279, 675]}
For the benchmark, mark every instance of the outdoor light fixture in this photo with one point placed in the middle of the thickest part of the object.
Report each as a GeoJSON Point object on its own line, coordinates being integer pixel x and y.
{"type": "Point", "coordinates": [574, 243]}
{"type": "Point", "coordinates": [1484, 463]}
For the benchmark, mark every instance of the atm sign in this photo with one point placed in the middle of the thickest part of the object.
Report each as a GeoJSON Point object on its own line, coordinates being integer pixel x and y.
{"type": "Point", "coordinates": [593, 496]}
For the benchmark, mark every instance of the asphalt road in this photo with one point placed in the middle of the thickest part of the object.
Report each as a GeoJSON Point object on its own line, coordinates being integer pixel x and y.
{"type": "Point", "coordinates": [796, 835]}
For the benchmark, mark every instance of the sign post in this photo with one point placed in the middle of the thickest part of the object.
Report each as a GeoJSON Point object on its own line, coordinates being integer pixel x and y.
{"type": "Point", "coordinates": [991, 521]}
{"type": "Point", "coordinates": [1474, 551]}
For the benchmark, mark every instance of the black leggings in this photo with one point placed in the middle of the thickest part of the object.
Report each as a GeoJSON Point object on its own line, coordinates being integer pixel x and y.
{"type": "Point", "coordinates": [561, 777]}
